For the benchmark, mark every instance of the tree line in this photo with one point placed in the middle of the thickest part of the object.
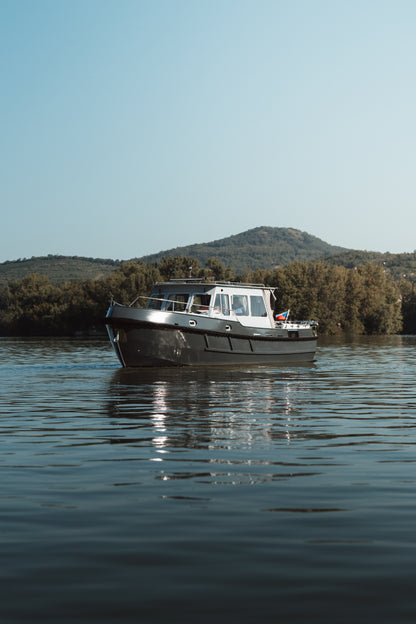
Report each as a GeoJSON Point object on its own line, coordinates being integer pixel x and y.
{"type": "Point", "coordinates": [363, 299]}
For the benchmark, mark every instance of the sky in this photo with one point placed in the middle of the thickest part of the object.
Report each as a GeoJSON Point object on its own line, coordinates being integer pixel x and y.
{"type": "Point", "coordinates": [129, 127]}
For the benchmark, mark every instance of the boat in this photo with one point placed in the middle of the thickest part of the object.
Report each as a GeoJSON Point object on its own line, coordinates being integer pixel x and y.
{"type": "Point", "coordinates": [198, 322]}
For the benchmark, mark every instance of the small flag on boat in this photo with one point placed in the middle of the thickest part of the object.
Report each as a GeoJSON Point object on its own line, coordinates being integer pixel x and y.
{"type": "Point", "coordinates": [282, 316]}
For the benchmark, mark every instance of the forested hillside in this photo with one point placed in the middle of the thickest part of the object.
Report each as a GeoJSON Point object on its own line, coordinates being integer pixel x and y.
{"type": "Point", "coordinates": [399, 266]}
{"type": "Point", "coordinates": [344, 290]}
{"type": "Point", "coordinates": [259, 248]}
{"type": "Point", "coordinates": [263, 247]}
{"type": "Point", "coordinates": [365, 299]}
{"type": "Point", "coordinates": [58, 269]}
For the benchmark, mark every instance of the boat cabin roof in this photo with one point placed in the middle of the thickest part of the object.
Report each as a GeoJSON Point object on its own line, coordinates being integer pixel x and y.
{"type": "Point", "coordinates": [193, 284]}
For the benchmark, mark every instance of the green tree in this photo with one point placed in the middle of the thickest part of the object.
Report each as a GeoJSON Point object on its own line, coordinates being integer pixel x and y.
{"type": "Point", "coordinates": [354, 293]}
{"type": "Point", "coordinates": [380, 309]}
{"type": "Point", "coordinates": [219, 270]}
{"type": "Point", "coordinates": [177, 267]}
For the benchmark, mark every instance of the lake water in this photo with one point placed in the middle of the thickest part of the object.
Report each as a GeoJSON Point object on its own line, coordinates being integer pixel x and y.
{"type": "Point", "coordinates": [271, 494]}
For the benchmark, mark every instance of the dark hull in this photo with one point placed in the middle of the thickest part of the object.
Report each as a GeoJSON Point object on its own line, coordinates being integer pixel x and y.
{"type": "Point", "coordinates": [138, 341]}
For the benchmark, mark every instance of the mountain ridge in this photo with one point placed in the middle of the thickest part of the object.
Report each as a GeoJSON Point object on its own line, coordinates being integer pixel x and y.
{"type": "Point", "coordinates": [263, 247]}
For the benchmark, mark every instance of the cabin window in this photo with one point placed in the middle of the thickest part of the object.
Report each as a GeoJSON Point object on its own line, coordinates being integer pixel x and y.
{"type": "Point", "coordinates": [155, 301]}
{"type": "Point", "coordinates": [176, 302]}
{"type": "Point", "coordinates": [240, 305]}
{"type": "Point", "coordinates": [200, 304]}
{"type": "Point", "coordinates": [257, 306]}
{"type": "Point", "coordinates": [222, 304]}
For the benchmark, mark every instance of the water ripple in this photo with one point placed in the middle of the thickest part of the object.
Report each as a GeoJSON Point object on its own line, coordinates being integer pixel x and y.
{"type": "Point", "coordinates": [144, 495]}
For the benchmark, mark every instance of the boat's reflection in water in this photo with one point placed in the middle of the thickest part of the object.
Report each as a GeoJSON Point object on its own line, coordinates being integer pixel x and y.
{"type": "Point", "coordinates": [235, 415]}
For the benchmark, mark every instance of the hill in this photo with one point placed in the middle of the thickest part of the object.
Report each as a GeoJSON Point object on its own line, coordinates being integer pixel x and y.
{"type": "Point", "coordinates": [262, 247]}
{"type": "Point", "coordinates": [58, 269]}
{"type": "Point", "coordinates": [259, 248]}
{"type": "Point", "coordinates": [401, 265]}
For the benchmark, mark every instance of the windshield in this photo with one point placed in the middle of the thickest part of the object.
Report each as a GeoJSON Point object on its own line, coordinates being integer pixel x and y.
{"type": "Point", "coordinates": [201, 303]}
{"type": "Point", "coordinates": [155, 301]}
{"type": "Point", "coordinates": [177, 302]}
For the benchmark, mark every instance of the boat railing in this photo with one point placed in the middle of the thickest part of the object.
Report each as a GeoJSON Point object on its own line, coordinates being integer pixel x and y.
{"type": "Point", "coordinates": [204, 281]}
{"type": "Point", "coordinates": [131, 304]}
{"type": "Point", "coordinates": [296, 324]}
{"type": "Point", "coordinates": [113, 302]}
{"type": "Point", "coordinates": [202, 308]}
{"type": "Point", "coordinates": [147, 299]}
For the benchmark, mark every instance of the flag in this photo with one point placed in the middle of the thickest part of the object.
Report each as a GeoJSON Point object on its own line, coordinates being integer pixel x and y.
{"type": "Point", "coordinates": [282, 316]}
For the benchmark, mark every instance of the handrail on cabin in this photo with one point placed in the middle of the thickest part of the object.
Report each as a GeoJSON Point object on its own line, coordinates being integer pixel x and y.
{"type": "Point", "coordinates": [197, 305]}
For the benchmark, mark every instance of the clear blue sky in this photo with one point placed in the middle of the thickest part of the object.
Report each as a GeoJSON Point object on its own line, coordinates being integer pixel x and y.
{"type": "Point", "coordinates": [130, 127]}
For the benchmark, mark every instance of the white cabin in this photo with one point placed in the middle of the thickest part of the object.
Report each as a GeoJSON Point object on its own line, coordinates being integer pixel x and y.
{"type": "Point", "coordinates": [251, 305]}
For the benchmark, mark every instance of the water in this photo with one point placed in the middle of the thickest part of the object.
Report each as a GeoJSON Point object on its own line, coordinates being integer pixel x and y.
{"type": "Point", "coordinates": [244, 495]}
